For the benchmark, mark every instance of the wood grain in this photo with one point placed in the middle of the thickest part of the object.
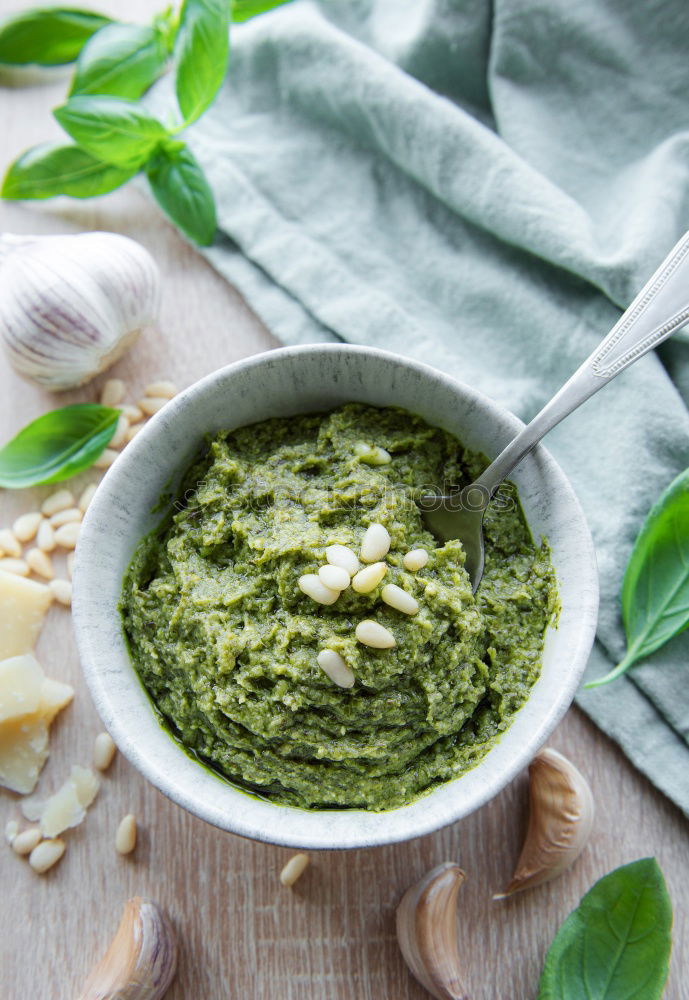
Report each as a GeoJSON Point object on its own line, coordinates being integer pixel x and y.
{"type": "Point", "coordinates": [243, 935]}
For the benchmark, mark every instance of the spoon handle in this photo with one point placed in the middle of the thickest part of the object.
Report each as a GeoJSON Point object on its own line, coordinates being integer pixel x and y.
{"type": "Point", "coordinates": [660, 308]}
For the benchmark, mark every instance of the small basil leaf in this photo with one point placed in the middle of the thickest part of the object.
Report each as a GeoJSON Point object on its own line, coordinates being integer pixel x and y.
{"type": "Point", "coordinates": [655, 591]}
{"type": "Point", "coordinates": [57, 446]}
{"type": "Point", "coordinates": [616, 944]}
{"type": "Point", "coordinates": [48, 37]}
{"type": "Point", "coordinates": [242, 10]}
{"type": "Point", "coordinates": [111, 128]}
{"type": "Point", "coordinates": [182, 191]}
{"type": "Point", "coordinates": [121, 60]}
{"type": "Point", "coordinates": [202, 49]}
{"type": "Point", "coordinates": [49, 170]}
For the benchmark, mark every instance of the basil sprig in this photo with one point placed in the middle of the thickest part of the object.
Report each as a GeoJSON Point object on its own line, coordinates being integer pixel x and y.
{"type": "Point", "coordinates": [655, 591]}
{"type": "Point", "coordinates": [57, 445]}
{"type": "Point", "coordinates": [182, 191]}
{"type": "Point", "coordinates": [49, 37]}
{"type": "Point", "coordinates": [202, 50]}
{"type": "Point", "coordinates": [123, 60]}
{"type": "Point", "coordinates": [112, 129]}
{"type": "Point", "coordinates": [616, 944]}
{"type": "Point", "coordinates": [51, 169]}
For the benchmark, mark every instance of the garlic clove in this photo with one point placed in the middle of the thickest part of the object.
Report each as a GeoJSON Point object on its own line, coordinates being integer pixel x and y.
{"type": "Point", "coordinates": [560, 821]}
{"type": "Point", "coordinates": [141, 961]}
{"type": "Point", "coordinates": [71, 305]}
{"type": "Point", "coordinates": [427, 932]}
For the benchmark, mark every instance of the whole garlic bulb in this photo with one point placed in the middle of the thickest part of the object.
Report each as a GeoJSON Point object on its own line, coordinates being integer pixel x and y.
{"type": "Point", "coordinates": [71, 305]}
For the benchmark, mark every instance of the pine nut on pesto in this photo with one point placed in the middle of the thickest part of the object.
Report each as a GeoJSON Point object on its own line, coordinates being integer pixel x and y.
{"type": "Point", "coordinates": [227, 644]}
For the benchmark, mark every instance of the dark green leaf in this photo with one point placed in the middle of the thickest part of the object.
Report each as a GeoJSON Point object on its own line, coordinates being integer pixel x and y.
{"type": "Point", "coordinates": [47, 37]}
{"type": "Point", "coordinates": [49, 170]}
{"type": "Point", "coordinates": [182, 191]}
{"type": "Point", "coordinates": [655, 592]}
{"type": "Point", "coordinates": [111, 128]}
{"type": "Point", "coordinates": [57, 446]}
{"type": "Point", "coordinates": [121, 60]}
{"type": "Point", "coordinates": [202, 49]}
{"type": "Point", "coordinates": [242, 10]}
{"type": "Point", "coordinates": [616, 944]}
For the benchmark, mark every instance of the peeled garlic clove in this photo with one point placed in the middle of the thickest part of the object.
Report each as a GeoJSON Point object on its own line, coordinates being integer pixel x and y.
{"type": "Point", "coordinates": [71, 305]}
{"type": "Point", "coordinates": [141, 962]}
{"type": "Point", "coordinates": [560, 821]}
{"type": "Point", "coordinates": [427, 932]}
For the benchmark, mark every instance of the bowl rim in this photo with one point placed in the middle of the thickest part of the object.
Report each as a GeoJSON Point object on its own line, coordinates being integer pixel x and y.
{"type": "Point", "coordinates": [282, 835]}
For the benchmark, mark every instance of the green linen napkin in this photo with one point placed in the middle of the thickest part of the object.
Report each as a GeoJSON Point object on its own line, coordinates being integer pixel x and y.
{"type": "Point", "coordinates": [483, 187]}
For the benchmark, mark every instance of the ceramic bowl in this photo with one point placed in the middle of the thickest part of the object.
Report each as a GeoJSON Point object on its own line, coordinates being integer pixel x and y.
{"type": "Point", "coordinates": [277, 384]}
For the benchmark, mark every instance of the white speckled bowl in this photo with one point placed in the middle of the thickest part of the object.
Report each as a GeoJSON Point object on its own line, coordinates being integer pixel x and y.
{"type": "Point", "coordinates": [302, 380]}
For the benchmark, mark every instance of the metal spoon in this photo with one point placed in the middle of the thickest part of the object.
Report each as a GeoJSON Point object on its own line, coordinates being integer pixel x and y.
{"type": "Point", "coordinates": [660, 308]}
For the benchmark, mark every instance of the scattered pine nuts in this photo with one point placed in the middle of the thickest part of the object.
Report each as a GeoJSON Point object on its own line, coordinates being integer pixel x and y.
{"type": "Point", "coordinates": [62, 591]}
{"type": "Point", "coordinates": [45, 539]}
{"type": "Point", "coordinates": [133, 431]}
{"type": "Point", "coordinates": [415, 560]}
{"type": "Point", "coordinates": [372, 454]}
{"type": "Point", "coordinates": [375, 544]}
{"type": "Point", "coordinates": [371, 633]}
{"type": "Point", "coordinates": [60, 500]}
{"type": "Point", "coordinates": [399, 599]}
{"type": "Point", "coordinates": [152, 404]}
{"type": "Point", "coordinates": [161, 389]}
{"type": "Point", "coordinates": [66, 536]}
{"type": "Point", "coordinates": [125, 838]}
{"type": "Point", "coordinates": [9, 546]}
{"type": "Point", "coordinates": [294, 869]}
{"type": "Point", "coordinates": [334, 577]}
{"type": "Point", "coordinates": [132, 413]}
{"type": "Point", "coordinates": [25, 841]}
{"type": "Point", "coordinates": [86, 497]}
{"type": "Point", "coordinates": [344, 557]}
{"type": "Point", "coordinates": [46, 854]}
{"type": "Point", "coordinates": [368, 578]}
{"type": "Point", "coordinates": [106, 458]}
{"type": "Point", "coordinates": [26, 526]}
{"type": "Point", "coordinates": [70, 565]}
{"type": "Point", "coordinates": [120, 435]}
{"type": "Point", "coordinates": [332, 664]}
{"type": "Point", "coordinates": [103, 751]}
{"type": "Point", "coordinates": [113, 392]}
{"type": "Point", "coordinates": [17, 566]}
{"type": "Point", "coordinates": [68, 516]}
{"type": "Point", "coordinates": [11, 830]}
{"type": "Point", "coordinates": [40, 563]}
{"type": "Point", "coordinates": [314, 588]}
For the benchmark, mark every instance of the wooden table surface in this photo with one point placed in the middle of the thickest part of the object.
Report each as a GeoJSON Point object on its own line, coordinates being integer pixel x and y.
{"type": "Point", "coordinates": [241, 934]}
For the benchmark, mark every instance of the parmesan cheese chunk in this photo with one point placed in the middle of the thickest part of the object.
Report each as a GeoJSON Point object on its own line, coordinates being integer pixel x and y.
{"type": "Point", "coordinates": [67, 807]}
{"type": "Point", "coordinates": [23, 752]}
{"type": "Point", "coordinates": [20, 686]}
{"type": "Point", "coordinates": [23, 604]}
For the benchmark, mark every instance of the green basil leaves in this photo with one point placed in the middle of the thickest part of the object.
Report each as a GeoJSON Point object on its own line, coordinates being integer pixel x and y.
{"type": "Point", "coordinates": [202, 50]}
{"type": "Point", "coordinates": [57, 445]}
{"type": "Point", "coordinates": [182, 191]}
{"type": "Point", "coordinates": [242, 10]}
{"type": "Point", "coordinates": [616, 944]}
{"type": "Point", "coordinates": [49, 170]}
{"type": "Point", "coordinates": [49, 37]}
{"type": "Point", "coordinates": [111, 128]}
{"type": "Point", "coordinates": [122, 60]}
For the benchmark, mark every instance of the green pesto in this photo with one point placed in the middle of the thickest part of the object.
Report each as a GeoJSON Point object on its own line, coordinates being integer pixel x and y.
{"type": "Point", "coordinates": [226, 643]}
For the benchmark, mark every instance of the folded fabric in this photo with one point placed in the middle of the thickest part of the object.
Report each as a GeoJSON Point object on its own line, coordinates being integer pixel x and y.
{"type": "Point", "coordinates": [483, 187]}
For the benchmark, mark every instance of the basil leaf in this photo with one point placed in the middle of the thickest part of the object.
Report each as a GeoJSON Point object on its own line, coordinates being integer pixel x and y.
{"type": "Point", "coordinates": [49, 170]}
{"type": "Point", "coordinates": [242, 10]}
{"type": "Point", "coordinates": [47, 37]}
{"type": "Point", "coordinates": [616, 944]}
{"type": "Point", "coordinates": [57, 445]}
{"type": "Point", "coordinates": [655, 591]}
{"type": "Point", "coordinates": [122, 60]}
{"type": "Point", "coordinates": [111, 128]}
{"type": "Point", "coordinates": [202, 50]}
{"type": "Point", "coordinates": [182, 191]}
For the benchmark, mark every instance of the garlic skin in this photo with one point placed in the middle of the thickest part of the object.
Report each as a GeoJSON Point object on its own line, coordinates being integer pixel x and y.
{"type": "Point", "coordinates": [141, 961]}
{"type": "Point", "coordinates": [560, 820]}
{"type": "Point", "coordinates": [71, 305]}
{"type": "Point", "coordinates": [427, 932]}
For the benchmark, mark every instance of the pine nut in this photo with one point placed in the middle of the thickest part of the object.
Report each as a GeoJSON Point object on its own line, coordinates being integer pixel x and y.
{"type": "Point", "coordinates": [40, 563]}
{"type": "Point", "coordinates": [294, 869]}
{"type": "Point", "coordinates": [334, 577]}
{"type": "Point", "coordinates": [120, 435]}
{"type": "Point", "coordinates": [103, 751]}
{"type": "Point", "coordinates": [17, 566]}
{"type": "Point", "coordinates": [62, 591]}
{"type": "Point", "coordinates": [60, 500]}
{"type": "Point", "coordinates": [373, 634]}
{"type": "Point", "coordinates": [372, 454]}
{"type": "Point", "coordinates": [342, 556]}
{"type": "Point", "coordinates": [86, 497]}
{"type": "Point", "coordinates": [368, 578]}
{"type": "Point", "coordinates": [375, 544]}
{"type": "Point", "coordinates": [68, 516]}
{"type": "Point", "coordinates": [415, 560]}
{"type": "Point", "coordinates": [26, 526]}
{"type": "Point", "coordinates": [132, 413]}
{"type": "Point", "coordinates": [45, 539]}
{"type": "Point", "coordinates": [66, 536]}
{"type": "Point", "coordinates": [46, 854]}
{"type": "Point", "coordinates": [106, 459]}
{"type": "Point", "coordinates": [25, 841]}
{"type": "Point", "coordinates": [113, 392]}
{"type": "Point", "coordinates": [9, 546]}
{"type": "Point", "coordinates": [399, 599]}
{"type": "Point", "coordinates": [310, 585]}
{"type": "Point", "coordinates": [11, 830]}
{"type": "Point", "coordinates": [332, 664]}
{"type": "Point", "coordinates": [70, 565]}
{"type": "Point", "coordinates": [151, 405]}
{"type": "Point", "coordinates": [161, 389]}
{"type": "Point", "coordinates": [133, 431]}
{"type": "Point", "coordinates": [125, 838]}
